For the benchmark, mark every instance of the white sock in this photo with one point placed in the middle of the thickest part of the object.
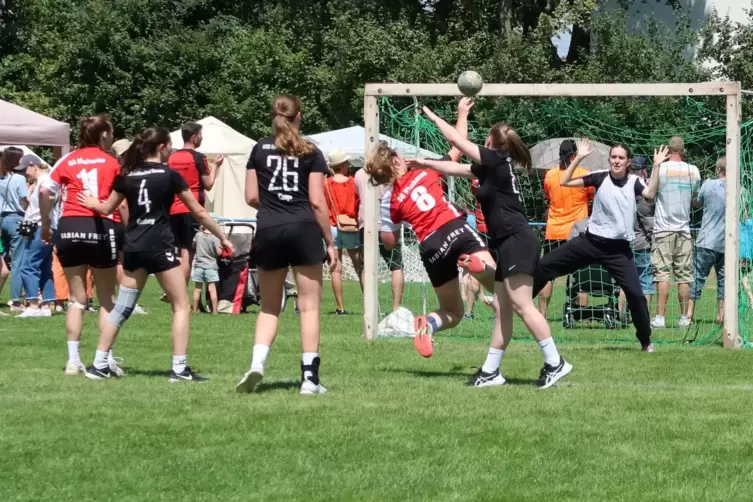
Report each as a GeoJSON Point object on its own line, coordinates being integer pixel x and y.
{"type": "Point", "coordinates": [259, 356]}
{"type": "Point", "coordinates": [434, 322]}
{"type": "Point", "coordinates": [308, 359]}
{"type": "Point", "coordinates": [549, 349]}
{"type": "Point", "coordinates": [73, 356]}
{"type": "Point", "coordinates": [493, 360]}
{"type": "Point", "coordinates": [683, 317]}
{"type": "Point", "coordinates": [659, 317]}
{"type": "Point", "coordinates": [180, 363]}
{"type": "Point", "coordinates": [100, 359]}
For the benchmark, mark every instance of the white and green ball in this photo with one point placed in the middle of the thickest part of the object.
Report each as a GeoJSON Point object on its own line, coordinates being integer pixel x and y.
{"type": "Point", "coordinates": [470, 83]}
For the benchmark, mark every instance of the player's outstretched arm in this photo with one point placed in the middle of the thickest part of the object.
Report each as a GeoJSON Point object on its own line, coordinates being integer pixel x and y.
{"type": "Point", "coordinates": [446, 167]}
{"type": "Point", "coordinates": [453, 136]}
{"type": "Point", "coordinates": [107, 207]}
{"type": "Point", "coordinates": [660, 156]}
{"type": "Point", "coordinates": [203, 217]}
{"type": "Point", "coordinates": [464, 109]}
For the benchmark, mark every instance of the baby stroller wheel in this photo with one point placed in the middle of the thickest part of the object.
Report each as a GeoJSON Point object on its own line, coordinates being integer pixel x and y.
{"type": "Point", "coordinates": [568, 321]}
{"type": "Point", "coordinates": [610, 321]}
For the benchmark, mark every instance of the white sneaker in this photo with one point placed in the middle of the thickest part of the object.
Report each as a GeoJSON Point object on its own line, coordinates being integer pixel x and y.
{"type": "Point", "coordinates": [250, 381]}
{"type": "Point", "coordinates": [658, 322]}
{"type": "Point", "coordinates": [684, 321]}
{"type": "Point", "coordinates": [309, 388]}
{"type": "Point", "coordinates": [75, 369]}
{"type": "Point", "coordinates": [139, 310]}
{"type": "Point", "coordinates": [15, 308]}
{"type": "Point", "coordinates": [115, 369]}
{"type": "Point", "coordinates": [31, 312]}
{"type": "Point", "coordinates": [3, 314]}
{"type": "Point", "coordinates": [59, 308]}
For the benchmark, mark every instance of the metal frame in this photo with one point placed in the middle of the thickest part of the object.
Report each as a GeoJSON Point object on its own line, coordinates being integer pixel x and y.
{"type": "Point", "coordinates": [731, 90]}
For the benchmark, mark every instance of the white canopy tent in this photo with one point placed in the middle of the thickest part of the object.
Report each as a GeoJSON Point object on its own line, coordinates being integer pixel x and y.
{"type": "Point", "coordinates": [19, 126]}
{"type": "Point", "coordinates": [351, 139]}
{"type": "Point", "coordinates": [546, 155]}
{"type": "Point", "coordinates": [227, 198]}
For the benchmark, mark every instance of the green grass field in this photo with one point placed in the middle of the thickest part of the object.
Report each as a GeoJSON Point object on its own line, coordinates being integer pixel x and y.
{"type": "Point", "coordinates": [674, 425]}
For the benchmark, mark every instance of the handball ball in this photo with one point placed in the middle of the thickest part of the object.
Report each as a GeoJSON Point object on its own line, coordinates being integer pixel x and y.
{"type": "Point", "coordinates": [470, 83]}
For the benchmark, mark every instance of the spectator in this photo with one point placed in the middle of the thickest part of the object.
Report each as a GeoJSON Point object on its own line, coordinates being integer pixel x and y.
{"type": "Point", "coordinates": [14, 197]}
{"type": "Point", "coordinates": [204, 269]}
{"type": "Point", "coordinates": [36, 263]}
{"type": "Point", "coordinates": [746, 257]}
{"type": "Point", "coordinates": [342, 200]}
{"type": "Point", "coordinates": [643, 228]}
{"type": "Point", "coordinates": [709, 245]}
{"type": "Point", "coordinates": [672, 252]}
{"type": "Point", "coordinates": [567, 205]}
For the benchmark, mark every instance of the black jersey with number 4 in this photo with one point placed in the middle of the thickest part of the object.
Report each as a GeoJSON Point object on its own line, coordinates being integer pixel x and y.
{"type": "Point", "coordinates": [283, 184]}
{"type": "Point", "coordinates": [499, 194]}
{"type": "Point", "coordinates": [149, 190]}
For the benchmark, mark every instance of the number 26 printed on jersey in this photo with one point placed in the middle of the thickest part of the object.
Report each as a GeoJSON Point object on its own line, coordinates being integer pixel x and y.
{"type": "Point", "coordinates": [285, 175]}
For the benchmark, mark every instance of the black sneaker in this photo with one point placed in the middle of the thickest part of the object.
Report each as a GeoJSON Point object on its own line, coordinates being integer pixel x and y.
{"type": "Point", "coordinates": [187, 375]}
{"type": "Point", "coordinates": [483, 379]}
{"type": "Point", "coordinates": [551, 374]}
{"type": "Point", "coordinates": [340, 312]}
{"type": "Point", "coordinates": [94, 373]}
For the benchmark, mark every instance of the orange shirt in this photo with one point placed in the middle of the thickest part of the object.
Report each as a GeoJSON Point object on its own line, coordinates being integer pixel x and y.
{"type": "Point", "coordinates": [566, 205]}
{"type": "Point", "coordinates": [344, 197]}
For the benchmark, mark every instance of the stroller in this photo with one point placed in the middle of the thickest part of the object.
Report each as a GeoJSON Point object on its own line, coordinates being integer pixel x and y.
{"type": "Point", "coordinates": [596, 282]}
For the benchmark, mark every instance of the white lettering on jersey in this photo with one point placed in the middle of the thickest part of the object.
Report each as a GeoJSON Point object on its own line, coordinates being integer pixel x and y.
{"type": "Point", "coordinates": [89, 181]}
{"type": "Point", "coordinates": [408, 189]}
{"type": "Point", "coordinates": [288, 178]}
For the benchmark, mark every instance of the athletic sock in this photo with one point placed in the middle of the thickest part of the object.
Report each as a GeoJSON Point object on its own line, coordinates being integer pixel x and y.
{"type": "Point", "coordinates": [179, 364]}
{"type": "Point", "coordinates": [434, 322]}
{"type": "Point", "coordinates": [259, 356]}
{"type": "Point", "coordinates": [100, 359]}
{"type": "Point", "coordinates": [493, 360]}
{"type": "Point", "coordinates": [310, 366]}
{"type": "Point", "coordinates": [73, 355]}
{"type": "Point", "coordinates": [110, 358]}
{"type": "Point", "coordinates": [549, 349]}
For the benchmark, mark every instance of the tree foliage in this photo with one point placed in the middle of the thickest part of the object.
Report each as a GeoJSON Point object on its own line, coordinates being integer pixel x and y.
{"type": "Point", "coordinates": [167, 61]}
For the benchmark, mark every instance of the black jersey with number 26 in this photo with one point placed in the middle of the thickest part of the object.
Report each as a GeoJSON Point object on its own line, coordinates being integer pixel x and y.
{"type": "Point", "coordinates": [283, 184]}
{"type": "Point", "coordinates": [149, 190]}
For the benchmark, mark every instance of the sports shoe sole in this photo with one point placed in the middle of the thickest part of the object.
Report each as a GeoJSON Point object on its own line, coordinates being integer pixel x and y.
{"type": "Point", "coordinates": [422, 341]}
{"type": "Point", "coordinates": [566, 369]}
{"type": "Point", "coordinates": [92, 376]}
{"type": "Point", "coordinates": [311, 390]}
{"type": "Point", "coordinates": [249, 382]}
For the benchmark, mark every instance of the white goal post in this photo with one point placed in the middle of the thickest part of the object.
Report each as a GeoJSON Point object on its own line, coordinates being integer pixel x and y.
{"type": "Point", "coordinates": [731, 90]}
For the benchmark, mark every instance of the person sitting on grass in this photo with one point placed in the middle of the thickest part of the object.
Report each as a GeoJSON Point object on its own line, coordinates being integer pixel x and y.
{"type": "Point", "coordinates": [204, 269]}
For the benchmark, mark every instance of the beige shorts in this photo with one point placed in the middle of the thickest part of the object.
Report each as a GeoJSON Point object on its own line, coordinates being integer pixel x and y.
{"type": "Point", "coordinates": [672, 254]}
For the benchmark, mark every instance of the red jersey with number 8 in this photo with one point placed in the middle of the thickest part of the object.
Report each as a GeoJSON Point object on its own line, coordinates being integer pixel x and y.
{"type": "Point", "coordinates": [89, 170]}
{"type": "Point", "coordinates": [417, 198]}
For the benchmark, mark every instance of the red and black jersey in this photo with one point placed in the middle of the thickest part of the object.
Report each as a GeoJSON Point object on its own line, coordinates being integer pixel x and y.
{"type": "Point", "coordinates": [480, 220]}
{"type": "Point", "coordinates": [192, 165]}
{"type": "Point", "coordinates": [417, 198]}
{"type": "Point", "coordinates": [89, 169]}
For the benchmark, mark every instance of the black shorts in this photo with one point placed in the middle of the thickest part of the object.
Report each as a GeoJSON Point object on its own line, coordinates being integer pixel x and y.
{"type": "Point", "coordinates": [290, 245]}
{"type": "Point", "coordinates": [185, 228]}
{"type": "Point", "coordinates": [153, 262]}
{"type": "Point", "coordinates": [85, 240]}
{"type": "Point", "coordinates": [392, 257]}
{"type": "Point", "coordinates": [550, 245]}
{"type": "Point", "coordinates": [442, 249]}
{"type": "Point", "coordinates": [517, 254]}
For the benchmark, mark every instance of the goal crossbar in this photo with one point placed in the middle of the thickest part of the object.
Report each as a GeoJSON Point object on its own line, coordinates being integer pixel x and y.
{"type": "Point", "coordinates": [730, 90]}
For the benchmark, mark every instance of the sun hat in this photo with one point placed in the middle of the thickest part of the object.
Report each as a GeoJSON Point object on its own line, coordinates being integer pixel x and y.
{"type": "Point", "coordinates": [337, 157]}
{"type": "Point", "coordinates": [120, 146]}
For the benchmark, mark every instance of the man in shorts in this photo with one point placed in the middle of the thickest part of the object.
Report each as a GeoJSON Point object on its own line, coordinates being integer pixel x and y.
{"type": "Point", "coordinates": [672, 250]}
{"type": "Point", "coordinates": [393, 258]}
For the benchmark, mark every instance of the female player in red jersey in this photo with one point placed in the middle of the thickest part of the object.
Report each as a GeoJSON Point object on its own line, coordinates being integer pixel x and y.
{"type": "Point", "coordinates": [517, 246]}
{"type": "Point", "coordinates": [416, 197]}
{"type": "Point", "coordinates": [85, 239]}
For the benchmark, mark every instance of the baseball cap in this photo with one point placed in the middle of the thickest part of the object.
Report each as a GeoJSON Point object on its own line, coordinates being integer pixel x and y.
{"type": "Point", "coordinates": [29, 160]}
{"type": "Point", "coordinates": [120, 146]}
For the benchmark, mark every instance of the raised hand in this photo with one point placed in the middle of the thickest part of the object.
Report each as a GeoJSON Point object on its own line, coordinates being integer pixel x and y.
{"type": "Point", "coordinates": [429, 114]}
{"type": "Point", "coordinates": [661, 155]}
{"type": "Point", "coordinates": [415, 164]}
{"type": "Point", "coordinates": [585, 148]}
{"type": "Point", "coordinates": [464, 105]}
{"type": "Point", "coordinates": [218, 160]}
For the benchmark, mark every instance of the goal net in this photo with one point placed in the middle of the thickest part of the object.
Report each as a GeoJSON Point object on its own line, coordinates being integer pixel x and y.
{"type": "Point", "coordinates": [587, 306]}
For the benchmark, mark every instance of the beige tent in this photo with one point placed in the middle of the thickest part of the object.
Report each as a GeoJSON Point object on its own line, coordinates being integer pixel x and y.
{"type": "Point", "coordinates": [19, 126]}
{"type": "Point", "coordinates": [227, 198]}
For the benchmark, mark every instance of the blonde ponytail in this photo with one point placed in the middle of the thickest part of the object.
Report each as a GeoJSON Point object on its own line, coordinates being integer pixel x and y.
{"type": "Point", "coordinates": [288, 140]}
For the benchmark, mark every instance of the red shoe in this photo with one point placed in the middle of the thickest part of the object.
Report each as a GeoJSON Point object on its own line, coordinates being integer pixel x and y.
{"type": "Point", "coordinates": [473, 263]}
{"type": "Point", "coordinates": [422, 341]}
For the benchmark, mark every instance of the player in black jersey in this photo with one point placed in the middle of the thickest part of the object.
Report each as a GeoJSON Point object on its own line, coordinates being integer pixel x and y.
{"type": "Point", "coordinates": [518, 247]}
{"type": "Point", "coordinates": [285, 182]}
{"type": "Point", "coordinates": [149, 186]}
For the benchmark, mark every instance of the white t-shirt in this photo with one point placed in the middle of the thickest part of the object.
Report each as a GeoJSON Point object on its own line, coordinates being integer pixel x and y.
{"type": "Point", "coordinates": [361, 179]}
{"type": "Point", "coordinates": [678, 183]}
{"type": "Point", "coordinates": [32, 211]}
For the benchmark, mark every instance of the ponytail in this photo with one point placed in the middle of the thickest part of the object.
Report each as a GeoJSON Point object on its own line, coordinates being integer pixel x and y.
{"type": "Point", "coordinates": [505, 138]}
{"type": "Point", "coordinates": [133, 156]}
{"type": "Point", "coordinates": [145, 144]}
{"type": "Point", "coordinates": [288, 140]}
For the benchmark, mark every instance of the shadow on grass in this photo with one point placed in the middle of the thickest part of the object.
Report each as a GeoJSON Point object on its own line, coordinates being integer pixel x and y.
{"type": "Point", "coordinates": [147, 373]}
{"type": "Point", "coordinates": [281, 385]}
{"type": "Point", "coordinates": [457, 372]}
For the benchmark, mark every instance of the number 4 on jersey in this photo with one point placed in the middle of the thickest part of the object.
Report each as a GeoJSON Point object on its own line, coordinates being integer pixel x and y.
{"type": "Point", "coordinates": [144, 199]}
